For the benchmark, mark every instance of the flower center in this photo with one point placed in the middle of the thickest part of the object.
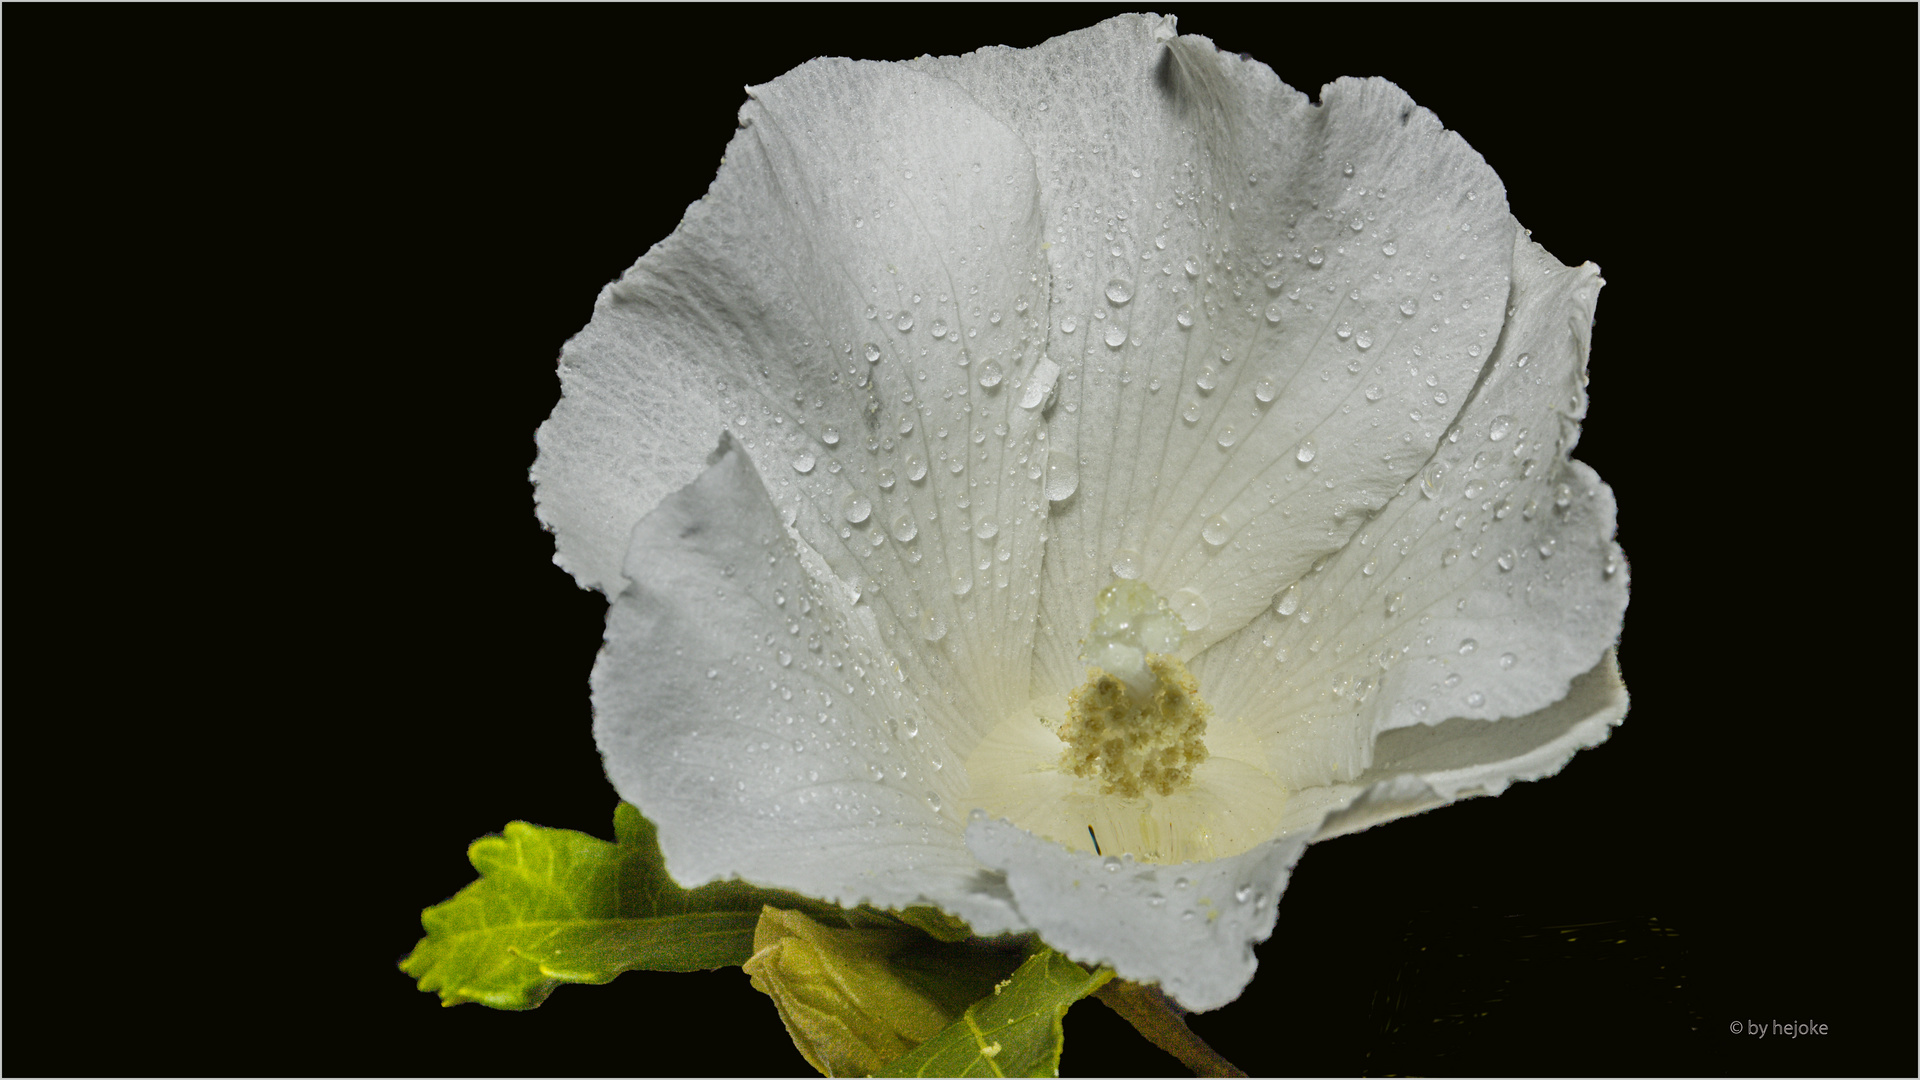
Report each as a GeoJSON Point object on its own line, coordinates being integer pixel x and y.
{"type": "Point", "coordinates": [1136, 724]}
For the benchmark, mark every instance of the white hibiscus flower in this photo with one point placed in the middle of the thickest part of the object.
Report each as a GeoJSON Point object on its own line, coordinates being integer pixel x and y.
{"type": "Point", "coordinates": [980, 339]}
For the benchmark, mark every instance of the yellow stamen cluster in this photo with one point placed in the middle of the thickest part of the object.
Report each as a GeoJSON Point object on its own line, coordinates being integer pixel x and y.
{"type": "Point", "coordinates": [1136, 742]}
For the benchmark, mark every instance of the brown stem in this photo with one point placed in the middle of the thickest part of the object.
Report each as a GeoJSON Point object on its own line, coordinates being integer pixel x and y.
{"type": "Point", "coordinates": [1164, 1024]}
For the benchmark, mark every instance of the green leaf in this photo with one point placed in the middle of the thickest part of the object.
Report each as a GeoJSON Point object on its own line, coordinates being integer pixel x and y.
{"type": "Point", "coordinates": [554, 906]}
{"type": "Point", "coordinates": [1013, 1031]}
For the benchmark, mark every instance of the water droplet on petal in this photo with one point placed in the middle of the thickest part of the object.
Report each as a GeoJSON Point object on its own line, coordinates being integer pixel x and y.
{"type": "Point", "coordinates": [932, 626]}
{"type": "Point", "coordinates": [1263, 390]}
{"type": "Point", "coordinates": [1306, 451]}
{"type": "Point", "coordinates": [1067, 325]}
{"type": "Point", "coordinates": [873, 353]}
{"type": "Point", "coordinates": [1119, 291]}
{"type": "Point", "coordinates": [1193, 609]}
{"type": "Point", "coordinates": [886, 479]}
{"type": "Point", "coordinates": [1343, 331]}
{"type": "Point", "coordinates": [1467, 645]}
{"type": "Point", "coordinates": [1273, 313]}
{"type": "Point", "coordinates": [1389, 249]}
{"type": "Point", "coordinates": [1184, 317]}
{"type": "Point", "coordinates": [1192, 267]}
{"type": "Point", "coordinates": [1505, 561]}
{"type": "Point", "coordinates": [1215, 530]}
{"type": "Point", "coordinates": [1374, 392]}
{"type": "Point", "coordinates": [904, 528]}
{"type": "Point", "coordinates": [1289, 601]}
{"type": "Point", "coordinates": [1507, 660]}
{"type": "Point", "coordinates": [1476, 699]}
{"type": "Point", "coordinates": [803, 462]}
{"type": "Point", "coordinates": [1315, 258]}
{"type": "Point", "coordinates": [916, 467]}
{"type": "Point", "coordinates": [990, 374]}
{"type": "Point", "coordinates": [1126, 564]}
{"type": "Point", "coordinates": [1500, 427]}
{"type": "Point", "coordinates": [1364, 340]}
{"type": "Point", "coordinates": [904, 321]}
{"type": "Point", "coordinates": [1116, 337]}
{"type": "Point", "coordinates": [985, 528]}
{"type": "Point", "coordinates": [1205, 380]}
{"type": "Point", "coordinates": [857, 507]}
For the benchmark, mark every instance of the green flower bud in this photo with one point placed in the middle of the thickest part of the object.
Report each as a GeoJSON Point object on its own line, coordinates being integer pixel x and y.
{"type": "Point", "coordinates": [848, 1011]}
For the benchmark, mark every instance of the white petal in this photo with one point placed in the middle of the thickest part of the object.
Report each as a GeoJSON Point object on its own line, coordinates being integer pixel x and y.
{"type": "Point", "coordinates": [864, 210]}
{"type": "Point", "coordinates": [1474, 593]}
{"type": "Point", "coordinates": [1420, 767]}
{"type": "Point", "coordinates": [1177, 181]}
{"type": "Point", "coordinates": [748, 711]}
{"type": "Point", "coordinates": [1189, 927]}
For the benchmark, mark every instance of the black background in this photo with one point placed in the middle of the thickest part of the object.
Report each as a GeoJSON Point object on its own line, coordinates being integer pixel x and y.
{"type": "Point", "coordinates": [287, 288]}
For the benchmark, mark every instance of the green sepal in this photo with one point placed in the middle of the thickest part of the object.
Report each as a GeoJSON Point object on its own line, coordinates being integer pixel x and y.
{"type": "Point", "coordinates": [1013, 1031]}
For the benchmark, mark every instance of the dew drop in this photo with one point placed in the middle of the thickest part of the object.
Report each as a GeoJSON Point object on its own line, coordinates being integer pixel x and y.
{"type": "Point", "coordinates": [1505, 561]}
{"type": "Point", "coordinates": [1067, 325]}
{"type": "Point", "coordinates": [857, 507]}
{"type": "Point", "coordinates": [1343, 331]}
{"type": "Point", "coordinates": [1191, 413]}
{"type": "Point", "coordinates": [1374, 392]}
{"type": "Point", "coordinates": [1126, 564]}
{"type": "Point", "coordinates": [886, 479]}
{"type": "Point", "coordinates": [1184, 317]}
{"type": "Point", "coordinates": [1306, 451]}
{"type": "Point", "coordinates": [1228, 436]}
{"type": "Point", "coordinates": [1116, 337]}
{"type": "Point", "coordinates": [1111, 863]}
{"type": "Point", "coordinates": [904, 528]}
{"type": "Point", "coordinates": [1507, 660]}
{"type": "Point", "coordinates": [1062, 479]}
{"type": "Point", "coordinates": [1289, 601]}
{"type": "Point", "coordinates": [916, 467]}
{"type": "Point", "coordinates": [939, 328]}
{"type": "Point", "coordinates": [985, 528]}
{"type": "Point", "coordinates": [1500, 427]}
{"type": "Point", "coordinates": [1263, 390]}
{"type": "Point", "coordinates": [1476, 699]}
{"type": "Point", "coordinates": [904, 321]}
{"type": "Point", "coordinates": [1193, 609]}
{"type": "Point", "coordinates": [1389, 249]}
{"type": "Point", "coordinates": [1205, 380]}
{"type": "Point", "coordinates": [873, 353]}
{"type": "Point", "coordinates": [1273, 313]}
{"type": "Point", "coordinates": [1364, 340]}
{"type": "Point", "coordinates": [1119, 291]}
{"type": "Point", "coordinates": [1467, 645]}
{"type": "Point", "coordinates": [1409, 306]}
{"type": "Point", "coordinates": [1192, 267]}
{"type": "Point", "coordinates": [803, 463]}
{"type": "Point", "coordinates": [1524, 358]}
{"type": "Point", "coordinates": [1431, 478]}
{"type": "Point", "coordinates": [990, 374]}
{"type": "Point", "coordinates": [1315, 258]}
{"type": "Point", "coordinates": [1563, 495]}
{"type": "Point", "coordinates": [932, 626]}
{"type": "Point", "coordinates": [1215, 530]}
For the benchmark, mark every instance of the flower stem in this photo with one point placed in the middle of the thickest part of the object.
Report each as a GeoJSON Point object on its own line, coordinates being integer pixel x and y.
{"type": "Point", "coordinates": [1164, 1024]}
